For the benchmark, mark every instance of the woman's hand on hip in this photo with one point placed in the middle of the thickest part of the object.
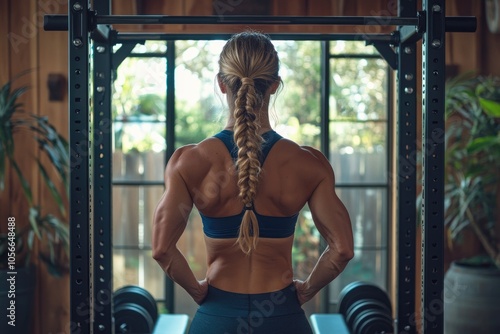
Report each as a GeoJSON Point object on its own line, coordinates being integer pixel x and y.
{"type": "Point", "coordinates": [202, 293]}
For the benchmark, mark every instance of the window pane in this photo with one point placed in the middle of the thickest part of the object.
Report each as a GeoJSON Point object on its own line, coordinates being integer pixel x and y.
{"type": "Point", "coordinates": [192, 246]}
{"type": "Point", "coordinates": [358, 89]}
{"type": "Point", "coordinates": [137, 267]}
{"type": "Point", "coordinates": [148, 46]}
{"type": "Point", "coordinates": [352, 47]}
{"type": "Point", "coordinates": [139, 120]}
{"type": "Point", "coordinates": [138, 164]}
{"type": "Point", "coordinates": [368, 212]}
{"type": "Point", "coordinates": [151, 46]}
{"type": "Point", "coordinates": [305, 253]}
{"type": "Point", "coordinates": [199, 106]}
{"type": "Point", "coordinates": [297, 107]}
{"type": "Point", "coordinates": [367, 265]}
{"type": "Point", "coordinates": [140, 88]}
{"type": "Point", "coordinates": [133, 208]}
{"type": "Point", "coordinates": [358, 151]}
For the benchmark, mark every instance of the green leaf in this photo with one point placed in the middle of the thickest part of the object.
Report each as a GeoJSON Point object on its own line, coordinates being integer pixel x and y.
{"type": "Point", "coordinates": [484, 143]}
{"type": "Point", "coordinates": [54, 145]}
{"type": "Point", "coordinates": [492, 108]}
{"type": "Point", "coordinates": [34, 220]}
{"type": "Point", "coordinates": [31, 238]}
{"type": "Point", "coordinates": [52, 187]}
{"type": "Point", "coordinates": [24, 183]}
{"type": "Point", "coordinates": [52, 267]}
{"type": "Point", "coordinates": [2, 168]}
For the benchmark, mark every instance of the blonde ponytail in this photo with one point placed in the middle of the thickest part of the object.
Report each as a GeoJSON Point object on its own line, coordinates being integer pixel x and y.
{"type": "Point", "coordinates": [249, 65]}
{"type": "Point", "coordinates": [249, 142]}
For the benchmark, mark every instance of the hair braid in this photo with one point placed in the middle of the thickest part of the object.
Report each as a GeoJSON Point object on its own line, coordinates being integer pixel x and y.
{"type": "Point", "coordinates": [249, 65]}
{"type": "Point", "coordinates": [249, 149]}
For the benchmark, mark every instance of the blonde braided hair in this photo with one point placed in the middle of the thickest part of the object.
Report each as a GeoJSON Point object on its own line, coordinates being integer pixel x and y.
{"type": "Point", "coordinates": [249, 65]}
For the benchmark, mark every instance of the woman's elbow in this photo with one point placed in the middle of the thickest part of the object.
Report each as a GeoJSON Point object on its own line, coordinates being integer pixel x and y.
{"type": "Point", "coordinates": [345, 253]}
{"type": "Point", "coordinates": [161, 254]}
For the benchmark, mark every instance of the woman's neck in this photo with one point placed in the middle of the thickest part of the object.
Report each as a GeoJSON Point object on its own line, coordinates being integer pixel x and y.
{"type": "Point", "coordinates": [264, 126]}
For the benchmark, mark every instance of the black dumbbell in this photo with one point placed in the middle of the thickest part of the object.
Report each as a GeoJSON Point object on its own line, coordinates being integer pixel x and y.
{"type": "Point", "coordinates": [135, 310]}
{"type": "Point", "coordinates": [366, 308]}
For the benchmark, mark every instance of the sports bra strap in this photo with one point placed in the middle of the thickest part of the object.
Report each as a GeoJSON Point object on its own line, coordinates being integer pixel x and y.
{"type": "Point", "coordinates": [270, 138]}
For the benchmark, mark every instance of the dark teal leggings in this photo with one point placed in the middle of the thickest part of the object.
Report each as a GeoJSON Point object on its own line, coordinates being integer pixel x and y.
{"type": "Point", "coordinates": [225, 312]}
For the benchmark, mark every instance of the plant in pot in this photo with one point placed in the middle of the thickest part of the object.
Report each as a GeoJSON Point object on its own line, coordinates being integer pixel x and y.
{"type": "Point", "coordinates": [49, 231]}
{"type": "Point", "coordinates": [472, 184]}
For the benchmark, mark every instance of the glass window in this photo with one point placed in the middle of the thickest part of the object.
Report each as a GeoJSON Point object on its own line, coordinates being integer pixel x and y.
{"type": "Point", "coordinates": [357, 148]}
{"type": "Point", "coordinates": [139, 146]}
{"type": "Point", "coordinates": [358, 151]}
{"type": "Point", "coordinates": [201, 112]}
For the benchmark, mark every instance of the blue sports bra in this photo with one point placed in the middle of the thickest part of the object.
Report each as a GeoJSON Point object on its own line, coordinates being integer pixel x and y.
{"type": "Point", "coordinates": [269, 226]}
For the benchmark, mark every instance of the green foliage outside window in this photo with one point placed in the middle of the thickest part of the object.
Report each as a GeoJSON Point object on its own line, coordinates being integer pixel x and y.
{"type": "Point", "coordinates": [358, 108]}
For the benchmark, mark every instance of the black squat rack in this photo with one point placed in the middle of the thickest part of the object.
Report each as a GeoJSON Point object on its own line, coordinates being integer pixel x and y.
{"type": "Point", "coordinates": [90, 144]}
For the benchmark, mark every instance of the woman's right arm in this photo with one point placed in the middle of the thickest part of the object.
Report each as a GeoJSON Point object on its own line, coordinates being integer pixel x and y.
{"type": "Point", "coordinates": [170, 219]}
{"type": "Point", "coordinates": [333, 223]}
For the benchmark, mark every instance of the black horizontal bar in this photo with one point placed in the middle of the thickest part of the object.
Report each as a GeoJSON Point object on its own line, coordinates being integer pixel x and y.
{"type": "Point", "coordinates": [452, 24]}
{"type": "Point", "coordinates": [138, 120]}
{"type": "Point", "coordinates": [146, 55]}
{"type": "Point", "coordinates": [55, 22]}
{"type": "Point", "coordinates": [254, 19]}
{"type": "Point", "coordinates": [137, 183]}
{"type": "Point", "coordinates": [361, 185]}
{"type": "Point", "coordinates": [370, 56]}
{"type": "Point", "coordinates": [133, 247]}
{"type": "Point", "coordinates": [371, 248]}
{"type": "Point", "coordinates": [364, 121]}
{"type": "Point", "coordinates": [133, 37]}
{"type": "Point", "coordinates": [460, 24]}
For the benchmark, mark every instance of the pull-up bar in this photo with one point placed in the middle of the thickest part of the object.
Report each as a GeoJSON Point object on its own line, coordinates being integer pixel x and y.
{"type": "Point", "coordinates": [452, 24]}
{"type": "Point", "coordinates": [134, 36]}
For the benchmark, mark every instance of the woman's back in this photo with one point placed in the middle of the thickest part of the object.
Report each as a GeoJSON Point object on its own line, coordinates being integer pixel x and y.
{"type": "Point", "coordinates": [288, 177]}
{"type": "Point", "coordinates": [249, 185]}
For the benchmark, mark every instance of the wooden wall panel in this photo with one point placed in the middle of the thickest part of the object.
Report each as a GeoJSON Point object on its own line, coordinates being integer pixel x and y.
{"type": "Point", "coordinates": [26, 48]}
{"type": "Point", "coordinates": [224, 8]}
{"type": "Point", "coordinates": [4, 77]}
{"type": "Point", "coordinates": [23, 55]}
{"type": "Point", "coordinates": [125, 7]}
{"type": "Point", "coordinates": [30, 48]}
{"type": "Point", "coordinates": [173, 8]}
{"type": "Point", "coordinates": [4, 42]}
{"type": "Point", "coordinates": [463, 49]}
{"type": "Point", "coordinates": [490, 46]}
{"type": "Point", "coordinates": [491, 63]}
{"type": "Point", "coordinates": [53, 292]}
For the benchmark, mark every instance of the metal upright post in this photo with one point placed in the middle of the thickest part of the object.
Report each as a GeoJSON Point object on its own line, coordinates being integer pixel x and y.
{"type": "Point", "coordinates": [170, 139]}
{"type": "Point", "coordinates": [325, 143]}
{"type": "Point", "coordinates": [80, 299]}
{"type": "Point", "coordinates": [433, 125]}
{"type": "Point", "coordinates": [405, 178]}
{"type": "Point", "coordinates": [102, 268]}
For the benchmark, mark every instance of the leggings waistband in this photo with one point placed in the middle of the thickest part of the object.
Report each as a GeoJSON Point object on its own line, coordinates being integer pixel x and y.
{"type": "Point", "coordinates": [272, 304]}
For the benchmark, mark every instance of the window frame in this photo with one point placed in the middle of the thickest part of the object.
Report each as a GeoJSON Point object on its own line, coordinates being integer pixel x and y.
{"type": "Point", "coordinates": [325, 122]}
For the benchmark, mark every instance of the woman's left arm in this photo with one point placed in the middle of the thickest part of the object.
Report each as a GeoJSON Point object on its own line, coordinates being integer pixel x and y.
{"type": "Point", "coordinates": [169, 221]}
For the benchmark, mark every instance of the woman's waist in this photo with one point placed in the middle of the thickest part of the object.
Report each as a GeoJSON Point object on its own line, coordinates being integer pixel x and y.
{"type": "Point", "coordinates": [270, 304]}
{"type": "Point", "coordinates": [249, 277]}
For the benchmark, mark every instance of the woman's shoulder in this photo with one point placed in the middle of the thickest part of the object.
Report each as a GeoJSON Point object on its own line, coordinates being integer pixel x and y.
{"type": "Point", "coordinates": [308, 154]}
{"type": "Point", "coordinates": [197, 153]}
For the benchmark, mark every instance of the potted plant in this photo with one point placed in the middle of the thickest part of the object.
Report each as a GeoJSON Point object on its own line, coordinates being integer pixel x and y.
{"type": "Point", "coordinates": [49, 230]}
{"type": "Point", "coordinates": [472, 187]}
